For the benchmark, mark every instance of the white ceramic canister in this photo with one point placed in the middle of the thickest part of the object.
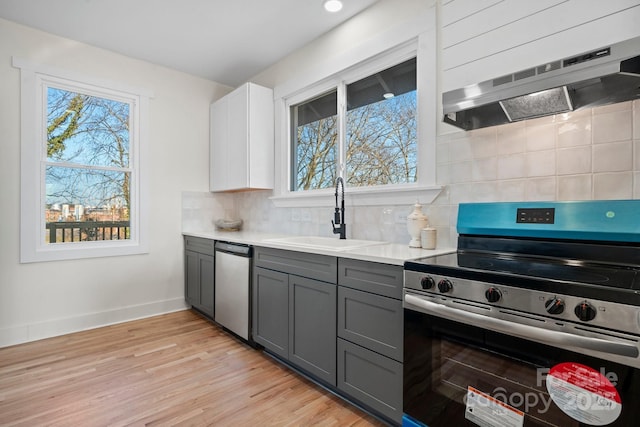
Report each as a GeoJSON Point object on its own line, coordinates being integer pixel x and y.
{"type": "Point", "coordinates": [416, 221]}
{"type": "Point", "coordinates": [429, 238]}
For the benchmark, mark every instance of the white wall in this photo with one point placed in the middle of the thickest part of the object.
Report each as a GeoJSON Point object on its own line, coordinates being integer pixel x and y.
{"type": "Point", "coordinates": [45, 299]}
{"type": "Point", "coordinates": [592, 154]}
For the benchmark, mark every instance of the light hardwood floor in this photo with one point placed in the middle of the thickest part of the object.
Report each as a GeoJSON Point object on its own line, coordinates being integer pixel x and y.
{"type": "Point", "coordinates": [174, 369]}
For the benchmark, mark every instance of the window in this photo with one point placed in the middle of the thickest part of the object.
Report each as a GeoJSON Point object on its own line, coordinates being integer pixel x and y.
{"type": "Point", "coordinates": [81, 167]}
{"type": "Point", "coordinates": [87, 171]}
{"type": "Point", "coordinates": [377, 144]}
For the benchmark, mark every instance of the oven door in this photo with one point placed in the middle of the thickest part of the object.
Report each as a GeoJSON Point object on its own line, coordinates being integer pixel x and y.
{"type": "Point", "coordinates": [461, 374]}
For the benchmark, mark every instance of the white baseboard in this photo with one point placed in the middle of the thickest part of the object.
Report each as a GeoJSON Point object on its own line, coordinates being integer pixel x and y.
{"type": "Point", "coordinates": [55, 327]}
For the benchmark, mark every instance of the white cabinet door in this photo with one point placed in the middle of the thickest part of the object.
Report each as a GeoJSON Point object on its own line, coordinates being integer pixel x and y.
{"type": "Point", "coordinates": [238, 139]}
{"type": "Point", "coordinates": [241, 147]}
{"type": "Point", "coordinates": [218, 149]}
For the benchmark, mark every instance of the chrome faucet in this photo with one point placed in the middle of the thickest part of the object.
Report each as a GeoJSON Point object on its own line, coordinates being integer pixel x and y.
{"type": "Point", "coordinates": [338, 215]}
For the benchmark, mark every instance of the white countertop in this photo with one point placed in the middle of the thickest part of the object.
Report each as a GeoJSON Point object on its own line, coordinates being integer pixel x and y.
{"type": "Point", "coordinates": [387, 253]}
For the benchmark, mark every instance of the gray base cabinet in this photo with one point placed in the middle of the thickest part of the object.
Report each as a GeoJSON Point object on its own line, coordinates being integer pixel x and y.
{"type": "Point", "coordinates": [294, 310]}
{"type": "Point", "coordinates": [370, 331]}
{"type": "Point", "coordinates": [370, 378]}
{"type": "Point", "coordinates": [199, 274]}
{"type": "Point", "coordinates": [271, 310]}
{"type": "Point", "coordinates": [312, 327]}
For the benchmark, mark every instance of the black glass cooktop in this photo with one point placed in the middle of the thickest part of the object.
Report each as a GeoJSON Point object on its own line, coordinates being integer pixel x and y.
{"type": "Point", "coordinates": [538, 268]}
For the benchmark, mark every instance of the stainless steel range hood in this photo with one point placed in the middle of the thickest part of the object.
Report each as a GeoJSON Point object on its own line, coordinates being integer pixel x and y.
{"type": "Point", "coordinates": [603, 76]}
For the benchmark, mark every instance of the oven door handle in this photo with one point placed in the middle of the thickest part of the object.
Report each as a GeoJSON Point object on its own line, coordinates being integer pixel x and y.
{"type": "Point", "coordinates": [544, 336]}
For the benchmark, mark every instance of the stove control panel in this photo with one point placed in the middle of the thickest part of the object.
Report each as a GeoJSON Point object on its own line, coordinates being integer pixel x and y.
{"type": "Point", "coordinates": [604, 314]}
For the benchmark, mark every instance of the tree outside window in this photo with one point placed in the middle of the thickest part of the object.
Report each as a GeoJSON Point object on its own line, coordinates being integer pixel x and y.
{"type": "Point", "coordinates": [379, 141]}
{"type": "Point", "coordinates": [87, 171]}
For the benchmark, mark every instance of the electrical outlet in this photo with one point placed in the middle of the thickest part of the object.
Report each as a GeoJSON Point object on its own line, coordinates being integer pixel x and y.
{"type": "Point", "coordinates": [295, 215]}
{"type": "Point", "coordinates": [305, 216]}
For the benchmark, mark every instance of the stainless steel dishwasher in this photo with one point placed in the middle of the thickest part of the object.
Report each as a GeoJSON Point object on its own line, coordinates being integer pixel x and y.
{"type": "Point", "coordinates": [233, 288]}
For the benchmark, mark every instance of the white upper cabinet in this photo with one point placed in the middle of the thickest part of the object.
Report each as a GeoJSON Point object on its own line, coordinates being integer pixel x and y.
{"type": "Point", "coordinates": [241, 144]}
{"type": "Point", "coordinates": [484, 39]}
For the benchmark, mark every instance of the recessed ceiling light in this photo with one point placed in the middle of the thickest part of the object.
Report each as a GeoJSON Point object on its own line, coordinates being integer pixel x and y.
{"type": "Point", "coordinates": [333, 5]}
{"type": "Point", "coordinates": [388, 95]}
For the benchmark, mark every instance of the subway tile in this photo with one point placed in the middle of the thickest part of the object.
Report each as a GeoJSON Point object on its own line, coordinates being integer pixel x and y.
{"type": "Point", "coordinates": [541, 163]}
{"type": "Point", "coordinates": [511, 138]}
{"type": "Point", "coordinates": [485, 191]}
{"type": "Point", "coordinates": [541, 137]}
{"type": "Point", "coordinates": [513, 166]}
{"type": "Point", "coordinates": [636, 155]}
{"type": "Point", "coordinates": [574, 132]}
{"type": "Point", "coordinates": [613, 157]}
{"type": "Point", "coordinates": [574, 187]}
{"type": "Point", "coordinates": [575, 160]}
{"type": "Point", "coordinates": [484, 169]}
{"type": "Point", "coordinates": [460, 150]}
{"type": "Point", "coordinates": [612, 126]}
{"type": "Point", "coordinates": [636, 119]}
{"type": "Point", "coordinates": [442, 174]}
{"type": "Point", "coordinates": [541, 188]}
{"type": "Point", "coordinates": [573, 115]}
{"type": "Point", "coordinates": [512, 190]}
{"type": "Point", "coordinates": [484, 147]}
{"type": "Point", "coordinates": [460, 172]}
{"type": "Point", "coordinates": [443, 153]}
{"type": "Point", "coordinates": [611, 108]}
{"type": "Point", "coordinates": [609, 186]}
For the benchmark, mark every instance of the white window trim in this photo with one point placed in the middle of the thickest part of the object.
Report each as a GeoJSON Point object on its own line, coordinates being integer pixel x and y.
{"type": "Point", "coordinates": [32, 244]}
{"type": "Point", "coordinates": [424, 48]}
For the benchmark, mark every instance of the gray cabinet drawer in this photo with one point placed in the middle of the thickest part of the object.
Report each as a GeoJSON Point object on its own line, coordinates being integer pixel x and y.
{"type": "Point", "coordinates": [372, 321]}
{"type": "Point", "coordinates": [199, 244]}
{"type": "Point", "coordinates": [319, 267]}
{"type": "Point", "coordinates": [370, 378]}
{"type": "Point", "coordinates": [381, 279]}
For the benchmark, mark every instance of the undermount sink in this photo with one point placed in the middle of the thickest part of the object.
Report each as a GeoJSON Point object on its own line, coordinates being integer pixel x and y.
{"type": "Point", "coordinates": [326, 243]}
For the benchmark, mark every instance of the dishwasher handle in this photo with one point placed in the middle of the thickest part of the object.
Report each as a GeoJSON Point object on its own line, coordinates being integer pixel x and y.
{"type": "Point", "coordinates": [234, 249]}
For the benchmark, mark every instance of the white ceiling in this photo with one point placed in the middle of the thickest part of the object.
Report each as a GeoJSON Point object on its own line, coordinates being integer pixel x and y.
{"type": "Point", "coordinates": [225, 41]}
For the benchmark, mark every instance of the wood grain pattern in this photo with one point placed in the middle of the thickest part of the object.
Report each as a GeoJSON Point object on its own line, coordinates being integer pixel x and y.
{"type": "Point", "coordinates": [174, 369]}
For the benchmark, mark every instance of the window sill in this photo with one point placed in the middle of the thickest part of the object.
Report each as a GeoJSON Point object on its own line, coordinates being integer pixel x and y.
{"type": "Point", "coordinates": [359, 197]}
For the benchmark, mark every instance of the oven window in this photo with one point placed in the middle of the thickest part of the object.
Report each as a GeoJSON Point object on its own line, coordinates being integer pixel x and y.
{"type": "Point", "coordinates": [448, 365]}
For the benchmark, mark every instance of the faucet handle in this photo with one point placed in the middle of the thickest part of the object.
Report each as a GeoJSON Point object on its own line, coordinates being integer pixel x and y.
{"type": "Point", "coordinates": [336, 217]}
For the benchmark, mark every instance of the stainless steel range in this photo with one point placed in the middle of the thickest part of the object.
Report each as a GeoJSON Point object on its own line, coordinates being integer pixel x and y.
{"type": "Point", "coordinates": [540, 304]}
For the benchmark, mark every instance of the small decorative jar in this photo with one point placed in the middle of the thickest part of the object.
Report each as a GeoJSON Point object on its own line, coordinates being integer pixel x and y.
{"type": "Point", "coordinates": [416, 221]}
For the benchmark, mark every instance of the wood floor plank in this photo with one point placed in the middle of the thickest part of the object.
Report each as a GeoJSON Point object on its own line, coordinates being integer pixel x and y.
{"type": "Point", "coordinates": [176, 369]}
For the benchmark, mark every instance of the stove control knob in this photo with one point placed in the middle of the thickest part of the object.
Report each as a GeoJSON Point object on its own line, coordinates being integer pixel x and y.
{"type": "Point", "coordinates": [585, 311]}
{"type": "Point", "coordinates": [427, 282]}
{"type": "Point", "coordinates": [493, 294]}
{"type": "Point", "coordinates": [555, 306]}
{"type": "Point", "coordinates": [445, 286]}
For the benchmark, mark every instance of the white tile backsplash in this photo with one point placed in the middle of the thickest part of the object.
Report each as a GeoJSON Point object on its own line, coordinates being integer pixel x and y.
{"type": "Point", "coordinates": [574, 132]}
{"type": "Point", "coordinates": [610, 186]}
{"type": "Point", "coordinates": [541, 136]}
{"type": "Point", "coordinates": [512, 166]}
{"type": "Point", "coordinates": [612, 126]}
{"type": "Point", "coordinates": [574, 160]}
{"type": "Point", "coordinates": [613, 157]}
{"type": "Point", "coordinates": [541, 163]}
{"type": "Point", "coordinates": [582, 155]}
{"type": "Point", "coordinates": [575, 187]}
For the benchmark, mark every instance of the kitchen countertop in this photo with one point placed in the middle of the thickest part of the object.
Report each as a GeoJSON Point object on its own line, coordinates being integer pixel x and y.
{"type": "Point", "coordinates": [387, 253]}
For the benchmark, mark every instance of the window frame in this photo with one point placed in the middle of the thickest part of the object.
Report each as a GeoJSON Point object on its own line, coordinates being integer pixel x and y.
{"type": "Point", "coordinates": [35, 79]}
{"type": "Point", "coordinates": [423, 48]}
